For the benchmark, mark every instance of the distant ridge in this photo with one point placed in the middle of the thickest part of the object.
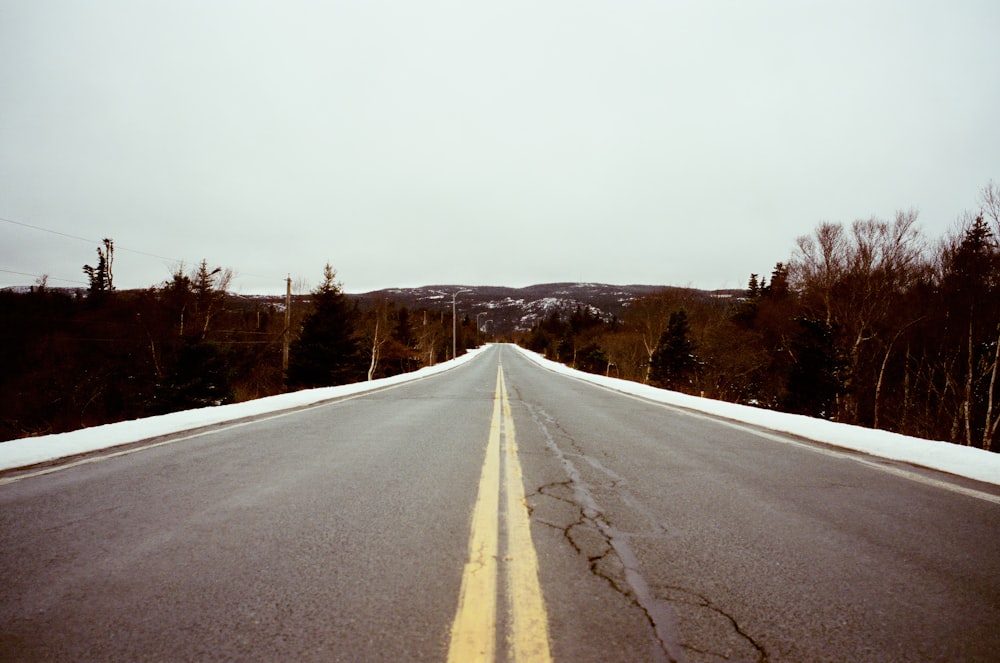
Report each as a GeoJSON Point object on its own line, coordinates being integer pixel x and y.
{"type": "Point", "coordinates": [518, 309]}
{"type": "Point", "coordinates": [510, 309]}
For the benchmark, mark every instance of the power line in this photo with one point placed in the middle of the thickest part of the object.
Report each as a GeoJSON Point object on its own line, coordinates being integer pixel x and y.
{"type": "Point", "coordinates": [85, 239]}
{"type": "Point", "coordinates": [118, 248]}
{"type": "Point", "coordinates": [41, 276]}
{"type": "Point", "coordinates": [47, 230]}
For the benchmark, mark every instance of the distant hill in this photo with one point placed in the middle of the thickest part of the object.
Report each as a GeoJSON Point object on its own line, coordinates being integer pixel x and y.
{"type": "Point", "coordinates": [510, 309]}
{"type": "Point", "coordinates": [513, 309]}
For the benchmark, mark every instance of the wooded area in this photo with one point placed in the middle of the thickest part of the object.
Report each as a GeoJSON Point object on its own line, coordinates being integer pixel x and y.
{"type": "Point", "coordinates": [77, 359]}
{"type": "Point", "coordinates": [870, 323]}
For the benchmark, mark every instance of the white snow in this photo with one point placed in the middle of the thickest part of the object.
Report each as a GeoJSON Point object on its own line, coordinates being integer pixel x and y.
{"type": "Point", "coordinates": [32, 450]}
{"type": "Point", "coordinates": [945, 456]}
{"type": "Point", "coordinates": [955, 459]}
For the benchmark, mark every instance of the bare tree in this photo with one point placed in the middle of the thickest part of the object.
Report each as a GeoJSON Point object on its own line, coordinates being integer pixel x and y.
{"type": "Point", "coordinates": [990, 206]}
{"type": "Point", "coordinates": [650, 315]}
{"type": "Point", "coordinates": [819, 263]}
{"type": "Point", "coordinates": [376, 334]}
{"type": "Point", "coordinates": [852, 282]}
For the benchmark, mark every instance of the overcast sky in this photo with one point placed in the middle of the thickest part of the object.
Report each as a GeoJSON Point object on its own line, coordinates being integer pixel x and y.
{"type": "Point", "coordinates": [481, 143]}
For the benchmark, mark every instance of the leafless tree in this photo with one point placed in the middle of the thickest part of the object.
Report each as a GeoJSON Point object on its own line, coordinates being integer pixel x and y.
{"type": "Point", "coordinates": [649, 317]}
{"type": "Point", "coordinates": [851, 280]}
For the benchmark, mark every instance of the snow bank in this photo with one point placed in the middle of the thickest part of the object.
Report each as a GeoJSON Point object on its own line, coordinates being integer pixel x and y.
{"type": "Point", "coordinates": [955, 459]}
{"type": "Point", "coordinates": [32, 450]}
{"type": "Point", "coordinates": [945, 456]}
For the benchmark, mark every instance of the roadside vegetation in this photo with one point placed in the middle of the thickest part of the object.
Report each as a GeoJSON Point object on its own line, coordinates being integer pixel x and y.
{"type": "Point", "coordinates": [868, 323]}
{"type": "Point", "coordinates": [77, 359]}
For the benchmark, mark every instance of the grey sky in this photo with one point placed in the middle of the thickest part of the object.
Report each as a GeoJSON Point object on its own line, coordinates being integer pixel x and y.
{"type": "Point", "coordinates": [487, 143]}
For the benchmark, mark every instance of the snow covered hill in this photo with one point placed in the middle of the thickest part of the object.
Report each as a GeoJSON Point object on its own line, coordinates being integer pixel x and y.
{"type": "Point", "coordinates": [518, 309]}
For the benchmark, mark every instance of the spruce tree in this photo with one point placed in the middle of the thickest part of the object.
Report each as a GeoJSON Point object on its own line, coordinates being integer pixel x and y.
{"type": "Point", "coordinates": [673, 360]}
{"type": "Point", "coordinates": [814, 380]}
{"type": "Point", "coordinates": [199, 376]}
{"type": "Point", "coordinates": [326, 352]}
{"type": "Point", "coordinates": [101, 277]}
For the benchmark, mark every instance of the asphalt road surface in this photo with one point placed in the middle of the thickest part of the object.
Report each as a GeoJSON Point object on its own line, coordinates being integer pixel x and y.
{"type": "Point", "coordinates": [497, 511]}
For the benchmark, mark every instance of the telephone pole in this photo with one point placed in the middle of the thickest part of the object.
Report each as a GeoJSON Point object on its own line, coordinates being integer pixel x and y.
{"type": "Point", "coordinates": [454, 324]}
{"type": "Point", "coordinates": [286, 337]}
{"type": "Point", "coordinates": [477, 324]}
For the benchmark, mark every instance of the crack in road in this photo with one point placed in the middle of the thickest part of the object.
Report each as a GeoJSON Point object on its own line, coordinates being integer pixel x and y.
{"type": "Point", "coordinates": [611, 557]}
{"type": "Point", "coordinates": [660, 615]}
{"type": "Point", "coordinates": [696, 600]}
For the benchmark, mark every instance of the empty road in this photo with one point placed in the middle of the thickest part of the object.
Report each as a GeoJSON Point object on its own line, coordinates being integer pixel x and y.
{"type": "Point", "coordinates": [497, 511]}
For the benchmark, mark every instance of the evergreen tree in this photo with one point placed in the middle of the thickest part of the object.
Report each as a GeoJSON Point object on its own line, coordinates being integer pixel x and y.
{"type": "Point", "coordinates": [326, 352]}
{"type": "Point", "coordinates": [200, 377]}
{"type": "Point", "coordinates": [970, 271]}
{"type": "Point", "coordinates": [778, 287]}
{"type": "Point", "coordinates": [970, 287]}
{"type": "Point", "coordinates": [403, 333]}
{"type": "Point", "coordinates": [813, 382]}
{"type": "Point", "coordinates": [101, 277]}
{"type": "Point", "coordinates": [673, 360]}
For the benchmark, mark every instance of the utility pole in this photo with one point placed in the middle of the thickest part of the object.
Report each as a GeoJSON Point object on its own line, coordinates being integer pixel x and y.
{"type": "Point", "coordinates": [288, 324]}
{"type": "Point", "coordinates": [427, 341]}
{"type": "Point", "coordinates": [477, 324]}
{"type": "Point", "coordinates": [454, 324]}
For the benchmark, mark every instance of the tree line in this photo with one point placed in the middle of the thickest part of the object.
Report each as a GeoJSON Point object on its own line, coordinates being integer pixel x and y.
{"type": "Point", "coordinates": [74, 359]}
{"type": "Point", "coordinates": [868, 323]}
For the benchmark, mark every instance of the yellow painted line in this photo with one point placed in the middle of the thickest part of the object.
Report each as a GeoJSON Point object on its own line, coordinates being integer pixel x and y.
{"type": "Point", "coordinates": [473, 633]}
{"type": "Point", "coordinates": [530, 637]}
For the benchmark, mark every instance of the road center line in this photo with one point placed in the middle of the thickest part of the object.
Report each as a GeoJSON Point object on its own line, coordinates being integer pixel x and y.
{"type": "Point", "coordinates": [473, 633]}
{"type": "Point", "coordinates": [530, 637]}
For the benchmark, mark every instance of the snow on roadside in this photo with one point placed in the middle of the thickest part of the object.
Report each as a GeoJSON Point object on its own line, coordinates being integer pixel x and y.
{"type": "Point", "coordinates": [945, 456]}
{"type": "Point", "coordinates": [31, 450]}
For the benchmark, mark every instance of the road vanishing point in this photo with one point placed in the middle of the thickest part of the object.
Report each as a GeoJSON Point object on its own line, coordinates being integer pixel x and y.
{"type": "Point", "coordinates": [497, 511]}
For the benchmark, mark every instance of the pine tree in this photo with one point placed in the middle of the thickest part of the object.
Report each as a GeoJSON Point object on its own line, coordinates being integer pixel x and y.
{"type": "Point", "coordinates": [101, 277]}
{"type": "Point", "coordinates": [326, 353]}
{"type": "Point", "coordinates": [200, 376]}
{"type": "Point", "coordinates": [673, 360]}
{"type": "Point", "coordinates": [402, 333]}
{"type": "Point", "coordinates": [778, 287]}
{"type": "Point", "coordinates": [814, 379]}
{"type": "Point", "coordinates": [970, 286]}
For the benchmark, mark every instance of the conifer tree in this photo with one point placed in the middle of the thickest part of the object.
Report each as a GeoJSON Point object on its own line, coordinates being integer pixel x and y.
{"type": "Point", "coordinates": [813, 383]}
{"type": "Point", "coordinates": [326, 353]}
{"type": "Point", "coordinates": [101, 277]}
{"type": "Point", "coordinates": [673, 359]}
{"type": "Point", "coordinates": [970, 288]}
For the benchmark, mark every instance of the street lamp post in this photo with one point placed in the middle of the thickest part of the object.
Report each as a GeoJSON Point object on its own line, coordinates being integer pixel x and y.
{"type": "Point", "coordinates": [477, 324]}
{"type": "Point", "coordinates": [454, 324]}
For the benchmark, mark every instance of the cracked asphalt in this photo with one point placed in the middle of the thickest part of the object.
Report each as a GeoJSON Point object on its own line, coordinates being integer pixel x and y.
{"type": "Point", "coordinates": [339, 533]}
{"type": "Point", "coordinates": [735, 547]}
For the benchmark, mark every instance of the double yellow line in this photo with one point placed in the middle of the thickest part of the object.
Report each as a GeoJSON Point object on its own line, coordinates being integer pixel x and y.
{"type": "Point", "coordinates": [473, 633]}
